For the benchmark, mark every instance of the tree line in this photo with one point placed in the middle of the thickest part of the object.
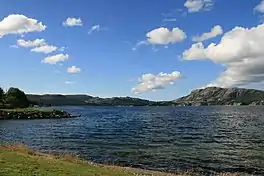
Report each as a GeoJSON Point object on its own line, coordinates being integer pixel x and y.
{"type": "Point", "coordinates": [13, 98]}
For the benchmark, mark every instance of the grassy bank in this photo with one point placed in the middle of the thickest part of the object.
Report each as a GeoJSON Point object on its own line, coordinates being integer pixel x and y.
{"type": "Point", "coordinates": [33, 113]}
{"type": "Point", "coordinates": [18, 160]}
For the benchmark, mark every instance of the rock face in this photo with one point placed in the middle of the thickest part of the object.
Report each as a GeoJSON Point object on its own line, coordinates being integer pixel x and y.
{"type": "Point", "coordinates": [223, 96]}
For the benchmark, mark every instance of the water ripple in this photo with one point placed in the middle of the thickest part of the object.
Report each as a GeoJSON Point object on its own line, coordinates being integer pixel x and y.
{"type": "Point", "coordinates": [207, 139]}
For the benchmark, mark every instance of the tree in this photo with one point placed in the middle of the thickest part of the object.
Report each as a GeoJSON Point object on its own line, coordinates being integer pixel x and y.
{"type": "Point", "coordinates": [2, 94]}
{"type": "Point", "coordinates": [16, 98]}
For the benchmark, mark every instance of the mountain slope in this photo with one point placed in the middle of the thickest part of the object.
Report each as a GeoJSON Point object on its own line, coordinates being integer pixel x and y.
{"type": "Point", "coordinates": [222, 96]}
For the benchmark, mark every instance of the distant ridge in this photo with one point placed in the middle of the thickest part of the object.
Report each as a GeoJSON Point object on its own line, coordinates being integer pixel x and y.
{"type": "Point", "coordinates": [206, 97]}
{"type": "Point", "coordinates": [84, 100]}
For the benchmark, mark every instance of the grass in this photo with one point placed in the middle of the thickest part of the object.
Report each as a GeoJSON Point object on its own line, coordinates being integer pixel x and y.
{"type": "Point", "coordinates": [21, 110]}
{"type": "Point", "coordinates": [18, 160]}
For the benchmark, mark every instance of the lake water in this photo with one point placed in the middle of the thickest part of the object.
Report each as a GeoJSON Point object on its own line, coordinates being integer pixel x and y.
{"type": "Point", "coordinates": [207, 139]}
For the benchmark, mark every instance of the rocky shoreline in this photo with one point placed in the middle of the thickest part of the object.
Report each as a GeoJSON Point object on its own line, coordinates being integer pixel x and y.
{"type": "Point", "coordinates": [16, 114]}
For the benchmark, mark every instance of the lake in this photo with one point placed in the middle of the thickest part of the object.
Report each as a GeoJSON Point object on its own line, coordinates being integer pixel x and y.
{"type": "Point", "coordinates": [204, 139]}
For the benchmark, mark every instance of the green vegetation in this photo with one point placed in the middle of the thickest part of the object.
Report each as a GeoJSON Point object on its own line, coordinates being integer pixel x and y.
{"type": "Point", "coordinates": [30, 110]}
{"type": "Point", "coordinates": [13, 98]}
{"type": "Point", "coordinates": [2, 94]}
{"type": "Point", "coordinates": [14, 104]}
{"type": "Point", "coordinates": [17, 160]}
{"type": "Point", "coordinates": [33, 113]}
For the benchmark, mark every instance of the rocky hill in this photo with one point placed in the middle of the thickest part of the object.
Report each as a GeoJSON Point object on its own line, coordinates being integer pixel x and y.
{"type": "Point", "coordinates": [222, 96]}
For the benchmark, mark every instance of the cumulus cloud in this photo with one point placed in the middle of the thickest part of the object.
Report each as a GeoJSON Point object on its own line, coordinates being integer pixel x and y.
{"type": "Point", "coordinates": [72, 22]}
{"type": "Point", "coordinates": [55, 59]}
{"type": "Point", "coordinates": [163, 36]}
{"type": "Point", "coordinates": [19, 24]}
{"type": "Point", "coordinates": [29, 44]}
{"type": "Point", "coordinates": [44, 49]}
{"type": "Point", "coordinates": [150, 82]}
{"type": "Point", "coordinates": [74, 69]}
{"type": "Point", "coordinates": [215, 31]}
{"type": "Point", "coordinates": [240, 51]}
{"type": "Point", "coordinates": [40, 45]}
{"type": "Point", "coordinates": [198, 5]}
{"type": "Point", "coordinates": [260, 7]}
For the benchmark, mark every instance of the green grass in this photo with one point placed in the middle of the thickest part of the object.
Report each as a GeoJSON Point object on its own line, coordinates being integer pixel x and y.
{"type": "Point", "coordinates": [17, 160]}
{"type": "Point", "coordinates": [20, 161]}
{"type": "Point", "coordinates": [29, 110]}
{"type": "Point", "coordinates": [17, 163]}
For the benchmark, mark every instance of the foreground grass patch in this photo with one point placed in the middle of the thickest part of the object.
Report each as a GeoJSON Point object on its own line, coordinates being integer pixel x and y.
{"type": "Point", "coordinates": [17, 160]}
{"type": "Point", "coordinates": [26, 163]}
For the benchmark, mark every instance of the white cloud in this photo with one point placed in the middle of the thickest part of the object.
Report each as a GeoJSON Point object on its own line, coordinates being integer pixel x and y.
{"type": "Point", "coordinates": [55, 59]}
{"type": "Point", "coordinates": [140, 43]}
{"type": "Point", "coordinates": [215, 31]}
{"type": "Point", "coordinates": [150, 82]}
{"type": "Point", "coordinates": [44, 49]}
{"type": "Point", "coordinates": [164, 36]}
{"type": "Point", "coordinates": [29, 44]}
{"type": "Point", "coordinates": [240, 51]}
{"type": "Point", "coordinates": [19, 24]}
{"type": "Point", "coordinates": [69, 82]}
{"type": "Point", "coordinates": [74, 69]}
{"type": "Point", "coordinates": [198, 5]}
{"type": "Point", "coordinates": [40, 45]}
{"type": "Point", "coordinates": [72, 22]}
{"type": "Point", "coordinates": [96, 28]}
{"type": "Point", "coordinates": [260, 7]}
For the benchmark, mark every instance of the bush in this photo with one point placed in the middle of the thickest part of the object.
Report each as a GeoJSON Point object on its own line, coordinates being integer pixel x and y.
{"type": "Point", "coordinates": [16, 98]}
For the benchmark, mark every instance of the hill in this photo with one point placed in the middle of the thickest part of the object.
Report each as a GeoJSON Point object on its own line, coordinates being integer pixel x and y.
{"type": "Point", "coordinates": [207, 96]}
{"type": "Point", "coordinates": [223, 96]}
{"type": "Point", "coordinates": [83, 100]}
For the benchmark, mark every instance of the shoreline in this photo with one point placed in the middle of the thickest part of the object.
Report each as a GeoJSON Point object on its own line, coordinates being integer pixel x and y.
{"type": "Point", "coordinates": [33, 113]}
{"type": "Point", "coordinates": [10, 153]}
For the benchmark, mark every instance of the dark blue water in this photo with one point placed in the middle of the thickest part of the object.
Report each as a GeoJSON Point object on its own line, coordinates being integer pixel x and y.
{"type": "Point", "coordinates": [208, 139]}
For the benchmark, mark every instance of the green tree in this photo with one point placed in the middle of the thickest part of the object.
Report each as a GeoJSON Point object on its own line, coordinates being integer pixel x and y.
{"type": "Point", "coordinates": [16, 98]}
{"type": "Point", "coordinates": [2, 94]}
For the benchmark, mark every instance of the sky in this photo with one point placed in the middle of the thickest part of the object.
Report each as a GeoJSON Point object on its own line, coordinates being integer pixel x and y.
{"type": "Point", "coordinates": [157, 50]}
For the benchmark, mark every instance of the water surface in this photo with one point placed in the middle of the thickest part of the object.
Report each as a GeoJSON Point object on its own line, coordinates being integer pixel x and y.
{"type": "Point", "coordinates": [208, 139]}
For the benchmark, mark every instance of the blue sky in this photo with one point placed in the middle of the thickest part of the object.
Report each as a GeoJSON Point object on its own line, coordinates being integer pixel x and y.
{"type": "Point", "coordinates": [108, 60]}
